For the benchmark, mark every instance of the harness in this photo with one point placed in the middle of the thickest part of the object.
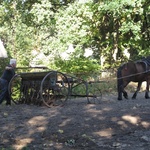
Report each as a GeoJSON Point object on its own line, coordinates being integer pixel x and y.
{"type": "Point", "coordinates": [146, 61]}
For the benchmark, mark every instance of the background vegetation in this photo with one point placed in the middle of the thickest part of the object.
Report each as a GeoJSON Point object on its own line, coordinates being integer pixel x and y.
{"type": "Point", "coordinates": [75, 36]}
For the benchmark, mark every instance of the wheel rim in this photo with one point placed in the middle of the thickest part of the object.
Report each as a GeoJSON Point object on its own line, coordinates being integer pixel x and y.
{"type": "Point", "coordinates": [54, 89]}
{"type": "Point", "coordinates": [14, 89]}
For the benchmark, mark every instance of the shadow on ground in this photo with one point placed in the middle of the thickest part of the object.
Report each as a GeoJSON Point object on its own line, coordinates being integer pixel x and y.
{"type": "Point", "coordinates": [77, 125]}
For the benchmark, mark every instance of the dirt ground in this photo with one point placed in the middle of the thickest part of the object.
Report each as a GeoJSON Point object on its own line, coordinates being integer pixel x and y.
{"type": "Point", "coordinates": [110, 125]}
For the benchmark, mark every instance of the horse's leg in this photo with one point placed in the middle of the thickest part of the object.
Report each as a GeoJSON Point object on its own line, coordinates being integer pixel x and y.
{"type": "Point", "coordinates": [125, 94]}
{"type": "Point", "coordinates": [121, 90]}
{"type": "Point", "coordinates": [137, 90]}
{"type": "Point", "coordinates": [120, 93]}
{"type": "Point", "coordinates": [147, 89]}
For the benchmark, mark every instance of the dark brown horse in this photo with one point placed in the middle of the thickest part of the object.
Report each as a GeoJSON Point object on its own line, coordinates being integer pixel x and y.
{"type": "Point", "coordinates": [136, 72]}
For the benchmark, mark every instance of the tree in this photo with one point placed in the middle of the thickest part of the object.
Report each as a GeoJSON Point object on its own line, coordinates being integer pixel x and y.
{"type": "Point", "coordinates": [17, 36]}
{"type": "Point", "coordinates": [108, 28]}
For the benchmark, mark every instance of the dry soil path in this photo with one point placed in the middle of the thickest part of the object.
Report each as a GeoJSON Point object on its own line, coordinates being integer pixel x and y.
{"type": "Point", "coordinates": [110, 125]}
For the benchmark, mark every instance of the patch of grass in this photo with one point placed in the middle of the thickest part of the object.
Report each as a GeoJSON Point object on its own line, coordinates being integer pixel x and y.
{"type": "Point", "coordinates": [109, 84]}
{"type": "Point", "coordinates": [105, 85]}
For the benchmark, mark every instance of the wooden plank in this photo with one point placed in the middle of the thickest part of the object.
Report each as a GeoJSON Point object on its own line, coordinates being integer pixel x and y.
{"type": "Point", "coordinates": [33, 75]}
{"type": "Point", "coordinates": [37, 67]}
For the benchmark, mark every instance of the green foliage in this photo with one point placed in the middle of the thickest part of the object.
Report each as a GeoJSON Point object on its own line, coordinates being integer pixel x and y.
{"type": "Point", "coordinates": [17, 37]}
{"type": "Point", "coordinates": [3, 63]}
{"type": "Point", "coordinates": [77, 65]}
{"type": "Point", "coordinates": [48, 27]}
{"type": "Point", "coordinates": [72, 25]}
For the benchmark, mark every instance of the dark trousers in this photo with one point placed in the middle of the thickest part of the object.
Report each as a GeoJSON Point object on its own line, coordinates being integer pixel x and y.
{"type": "Point", "coordinates": [4, 94]}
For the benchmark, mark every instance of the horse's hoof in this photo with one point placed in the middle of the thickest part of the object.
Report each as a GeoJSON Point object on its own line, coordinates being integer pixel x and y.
{"type": "Point", "coordinates": [119, 99]}
{"type": "Point", "coordinates": [147, 97]}
{"type": "Point", "coordinates": [126, 97]}
{"type": "Point", "coordinates": [133, 98]}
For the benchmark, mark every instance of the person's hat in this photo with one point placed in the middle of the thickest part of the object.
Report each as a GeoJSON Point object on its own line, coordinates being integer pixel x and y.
{"type": "Point", "coordinates": [12, 61]}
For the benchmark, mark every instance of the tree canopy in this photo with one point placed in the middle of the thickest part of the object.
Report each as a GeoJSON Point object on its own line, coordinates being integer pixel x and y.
{"type": "Point", "coordinates": [40, 32]}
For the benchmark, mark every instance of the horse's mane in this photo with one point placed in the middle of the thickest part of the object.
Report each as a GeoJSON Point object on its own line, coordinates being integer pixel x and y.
{"type": "Point", "coordinates": [125, 64]}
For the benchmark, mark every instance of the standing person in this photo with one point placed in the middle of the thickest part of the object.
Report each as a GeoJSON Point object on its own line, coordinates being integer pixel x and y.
{"type": "Point", "coordinates": [7, 75]}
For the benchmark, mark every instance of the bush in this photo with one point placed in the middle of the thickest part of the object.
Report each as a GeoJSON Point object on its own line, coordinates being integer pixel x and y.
{"type": "Point", "coordinates": [77, 66]}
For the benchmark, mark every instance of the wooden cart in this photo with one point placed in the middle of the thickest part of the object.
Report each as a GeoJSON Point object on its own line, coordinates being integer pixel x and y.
{"type": "Point", "coordinates": [51, 88]}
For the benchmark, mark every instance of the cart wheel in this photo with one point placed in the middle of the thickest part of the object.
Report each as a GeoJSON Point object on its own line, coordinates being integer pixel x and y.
{"type": "Point", "coordinates": [14, 89]}
{"type": "Point", "coordinates": [95, 95]}
{"type": "Point", "coordinates": [79, 88]}
{"type": "Point", "coordinates": [54, 89]}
